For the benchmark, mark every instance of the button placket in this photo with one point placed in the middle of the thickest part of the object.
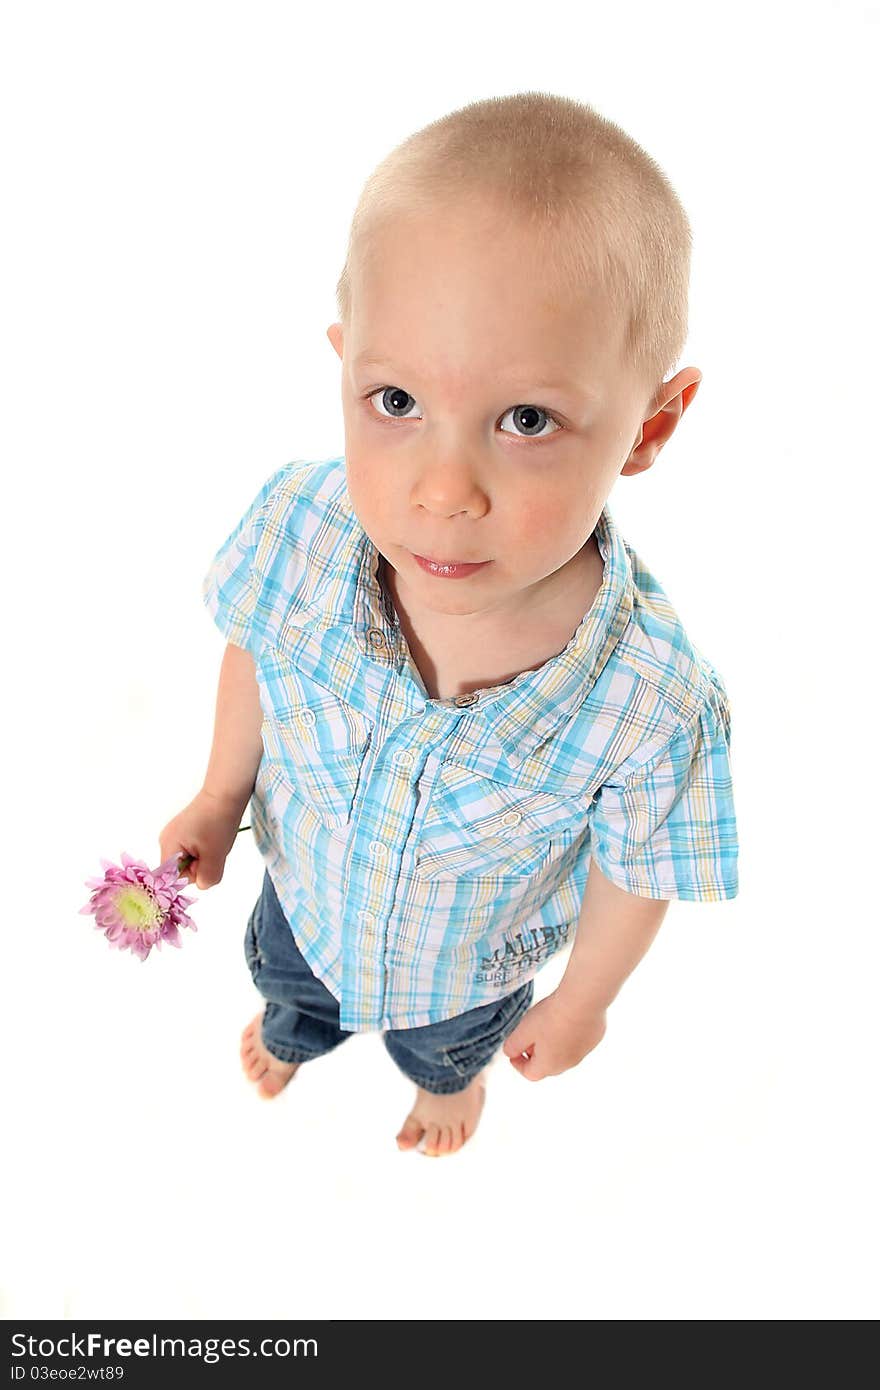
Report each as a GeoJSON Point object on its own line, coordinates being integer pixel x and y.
{"type": "Point", "coordinates": [369, 930]}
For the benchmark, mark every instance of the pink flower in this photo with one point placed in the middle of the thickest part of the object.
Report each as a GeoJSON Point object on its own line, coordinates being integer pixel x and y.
{"type": "Point", "coordinates": [138, 908]}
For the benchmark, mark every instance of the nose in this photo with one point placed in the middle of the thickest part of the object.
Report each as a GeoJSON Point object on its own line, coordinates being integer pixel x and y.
{"type": "Point", "coordinates": [447, 484]}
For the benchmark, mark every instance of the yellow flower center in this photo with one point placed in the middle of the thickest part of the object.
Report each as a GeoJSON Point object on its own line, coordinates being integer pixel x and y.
{"type": "Point", "coordinates": [138, 909]}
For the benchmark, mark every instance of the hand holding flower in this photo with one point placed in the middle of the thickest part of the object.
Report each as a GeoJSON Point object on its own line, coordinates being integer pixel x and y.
{"type": "Point", "coordinates": [138, 908]}
{"type": "Point", "coordinates": [202, 834]}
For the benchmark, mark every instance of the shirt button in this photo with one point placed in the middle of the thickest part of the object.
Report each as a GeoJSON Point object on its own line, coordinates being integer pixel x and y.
{"type": "Point", "coordinates": [463, 700]}
{"type": "Point", "coordinates": [405, 757]}
{"type": "Point", "coordinates": [511, 818]}
{"type": "Point", "coordinates": [367, 918]}
{"type": "Point", "coordinates": [376, 637]}
{"type": "Point", "coordinates": [377, 849]}
{"type": "Point", "coordinates": [307, 716]}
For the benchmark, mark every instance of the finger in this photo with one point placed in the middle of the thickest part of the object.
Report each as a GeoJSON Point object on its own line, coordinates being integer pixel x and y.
{"type": "Point", "coordinates": [528, 1068]}
{"type": "Point", "coordinates": [209, 872]}
{"type": "Point", "coordinates": [533, 1069]}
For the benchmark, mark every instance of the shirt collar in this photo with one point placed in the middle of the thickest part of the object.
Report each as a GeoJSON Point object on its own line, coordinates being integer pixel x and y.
{"type": "Point", "coordinates": [522, 713]}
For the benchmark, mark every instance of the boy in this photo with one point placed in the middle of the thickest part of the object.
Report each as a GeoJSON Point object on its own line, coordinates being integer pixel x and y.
{"type": "Point", "coordinates": [471, 726]}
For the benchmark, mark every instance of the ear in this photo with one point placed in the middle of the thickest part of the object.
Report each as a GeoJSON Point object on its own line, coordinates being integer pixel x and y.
{"type": "Point", "coordinates": [334, 333]}
{"type": "Point", "coordinates": [667, 409]}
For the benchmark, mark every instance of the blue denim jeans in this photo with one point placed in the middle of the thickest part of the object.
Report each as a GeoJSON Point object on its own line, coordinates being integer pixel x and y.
{"type": "Point", "coordinates": [301, 1018]}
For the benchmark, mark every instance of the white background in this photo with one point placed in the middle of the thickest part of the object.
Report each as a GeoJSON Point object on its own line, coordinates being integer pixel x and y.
{"type": "Point", "coordinates": [178, 181]}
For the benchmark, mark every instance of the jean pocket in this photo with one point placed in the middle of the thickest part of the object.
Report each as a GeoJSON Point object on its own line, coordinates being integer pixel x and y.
{"type": "Point", "coordinates": [252, 952]}
{"type": "Point", "coordinates": [478, 827]}
{"type": "Point", "coordinates": [468, 1056]}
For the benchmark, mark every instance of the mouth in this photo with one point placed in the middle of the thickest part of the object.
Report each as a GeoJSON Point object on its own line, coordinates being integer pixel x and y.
{"type": "Point", "coordinates": [449, 569]}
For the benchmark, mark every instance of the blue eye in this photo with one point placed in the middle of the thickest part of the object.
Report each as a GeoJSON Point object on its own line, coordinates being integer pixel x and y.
{"type": "Point", "coordinates": [398, 405]}
{"type": "Point", "coordinates": [524, 415]}
{"type": "Point", "coordinates": [391, 399]}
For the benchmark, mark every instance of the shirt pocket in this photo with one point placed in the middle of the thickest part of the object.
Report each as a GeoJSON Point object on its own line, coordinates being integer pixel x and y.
{"type": "Point", "coordinates": [315, 745]}
{"type": "Point", "coordinates": [478, 827]}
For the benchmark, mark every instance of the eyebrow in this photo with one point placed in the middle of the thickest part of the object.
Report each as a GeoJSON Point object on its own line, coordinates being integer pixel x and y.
{"type": "Point", "coordinates": [570, 388]}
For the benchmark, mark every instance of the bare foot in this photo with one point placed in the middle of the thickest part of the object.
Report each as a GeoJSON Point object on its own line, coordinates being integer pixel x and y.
{"type": "Point", "coordinates": [446, 1122]}
{"type": "Point", "coordinates": [269, 1074]}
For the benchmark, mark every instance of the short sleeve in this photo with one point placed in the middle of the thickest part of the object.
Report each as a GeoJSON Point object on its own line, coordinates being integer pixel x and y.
{"type": "Point", "coordinates": [231, 589]}
{"type": "Point", "coordinates": [669, 829]}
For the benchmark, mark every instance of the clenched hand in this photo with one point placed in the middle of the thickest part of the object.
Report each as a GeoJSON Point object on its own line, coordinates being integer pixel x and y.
{"type": "Point", "coordinates": [552, 1037]}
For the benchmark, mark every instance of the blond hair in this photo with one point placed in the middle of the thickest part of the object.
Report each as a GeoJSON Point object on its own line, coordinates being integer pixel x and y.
{"type": "Point", "coordinates": [602, 210]}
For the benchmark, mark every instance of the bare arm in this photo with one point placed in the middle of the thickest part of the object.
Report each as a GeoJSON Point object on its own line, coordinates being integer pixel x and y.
{"type": "Point", "coordinates": [238, 745]}
{"type": "Point", "coordinates": [614, 931]}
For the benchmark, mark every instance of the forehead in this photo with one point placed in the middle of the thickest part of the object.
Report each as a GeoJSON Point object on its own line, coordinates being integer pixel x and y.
{"type": "Point", "coordinates": [447, 295]}
{"type": "Point", "coordinates": [470, 243]}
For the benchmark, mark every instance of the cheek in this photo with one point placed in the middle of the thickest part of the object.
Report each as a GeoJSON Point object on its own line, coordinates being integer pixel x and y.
{"type": "Point", "coordinates": [362, 480]}
{"type": "Point", "coordinates": [551, 521]}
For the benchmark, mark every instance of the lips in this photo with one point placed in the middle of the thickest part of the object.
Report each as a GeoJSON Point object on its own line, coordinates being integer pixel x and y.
{"type": "Point", "coordinates": [449, 569]}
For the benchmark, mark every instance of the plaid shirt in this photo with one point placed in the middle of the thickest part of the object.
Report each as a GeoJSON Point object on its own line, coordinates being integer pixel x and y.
{"type": "Point", "coordinates": [431, 855]}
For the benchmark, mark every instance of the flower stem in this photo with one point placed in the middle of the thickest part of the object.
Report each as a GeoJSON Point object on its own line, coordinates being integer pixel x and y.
{"type": "Point", "coordinates": [184, 860]}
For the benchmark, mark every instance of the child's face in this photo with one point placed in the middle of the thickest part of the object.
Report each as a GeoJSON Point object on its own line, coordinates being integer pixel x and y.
{"type": "Point", "coordinates": [439, 463]}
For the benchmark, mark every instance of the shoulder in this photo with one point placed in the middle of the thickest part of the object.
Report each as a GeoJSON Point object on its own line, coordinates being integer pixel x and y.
{"type": "Point", "coordinates": [662, 688]}
{"type": "Point", "coordinates": [304, 485]}
{"type": "Point", "coordinates": [305, 511]}
{"type": "Point", "coordinates": [656, 646]}
{"type": "Point", "coordinates": [310, 543]}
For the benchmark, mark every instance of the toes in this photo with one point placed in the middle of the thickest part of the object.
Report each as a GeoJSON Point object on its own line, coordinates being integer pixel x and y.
{"type": "Point", "coordinates": [251, 1057]}
{"type": "Point", "coordinates": [411, 1133]}
{"type": "Point", "coordinates": [267, 1073]}
{"type": "Point", "coordinates": [276, 1078]}
{"type": "Point", "coordinates": [451, 1138]}
{"type": "Point", "coordinates": [251, 1030]}
{"type": "Point", "coordinates": [253, 1061]}
{"type": "Point", "coordinates": [271, 1084]}
{"type": "Point", "coordinates": [251, 1042]}
{"type": "Point", "coordinates": [444, 1145]}
{"type": "Point", "coordinates": [443, 1135]}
